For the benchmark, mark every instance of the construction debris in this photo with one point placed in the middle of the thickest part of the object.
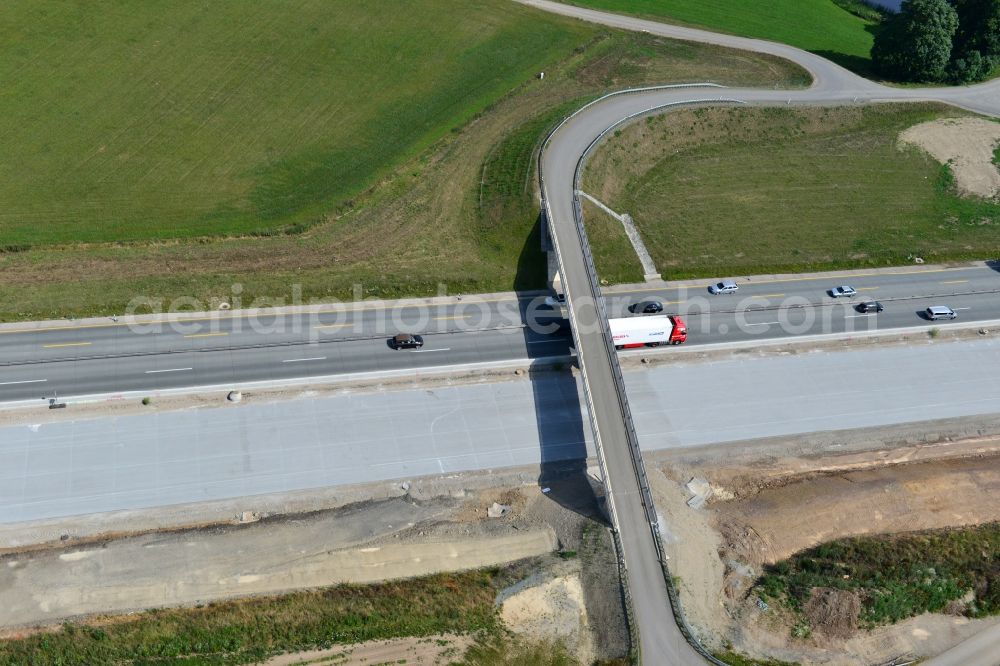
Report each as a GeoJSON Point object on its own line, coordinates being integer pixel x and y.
{"type": "Point", "coordinates": [701, 491]}
{"type": "Point", "coordinates": [498, 510]}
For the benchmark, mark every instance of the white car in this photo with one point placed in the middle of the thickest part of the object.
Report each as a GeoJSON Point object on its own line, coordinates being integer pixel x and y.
{"type": "Point", "coordinates": [724, 287]}
{"type": "Point", "coordinates": [844, 290]}
{"type": "Point", "coordinates": [556, 301]}
{"type": "Point", "coordinates": [936, 312]}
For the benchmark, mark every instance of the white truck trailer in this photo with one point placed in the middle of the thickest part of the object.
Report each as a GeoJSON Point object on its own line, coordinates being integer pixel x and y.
{"type": "Point", "coordinates": [648, 331]}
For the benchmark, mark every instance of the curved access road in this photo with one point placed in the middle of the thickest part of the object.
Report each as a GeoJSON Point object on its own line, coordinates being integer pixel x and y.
{"type": "Point", "coordinates": [832, 83]}
{"type": "Point", "coordinates": [661, 641]}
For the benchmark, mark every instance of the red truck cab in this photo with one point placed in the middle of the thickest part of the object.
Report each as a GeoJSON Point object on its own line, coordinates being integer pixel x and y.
{"type": "Point", "coordinates": [680, 333]}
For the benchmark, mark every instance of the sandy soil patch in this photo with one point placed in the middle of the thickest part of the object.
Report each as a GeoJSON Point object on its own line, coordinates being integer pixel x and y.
{"type": "Point", "coordinates": [834, 612]}
{"type": "Point", "coordinates": [430, 650]}
{"type": "Point", "coordinates": [555, 610]}
{"type": "Point", "coordinates": [719, 551]}
{"type": "Point", "coordinates": [968, 144]}
{"type": "Point", "coordinates": [784, 520]}
{"type": "Point", "coordinates": [693, 546]}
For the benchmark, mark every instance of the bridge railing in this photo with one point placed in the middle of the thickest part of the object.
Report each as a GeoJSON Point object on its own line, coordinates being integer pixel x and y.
{"type": "Point", "coordinates": [635, 453]}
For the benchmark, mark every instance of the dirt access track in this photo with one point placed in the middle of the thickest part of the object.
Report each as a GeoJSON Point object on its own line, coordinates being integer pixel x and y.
{"type": "Point", "coordinates": [773, 498]}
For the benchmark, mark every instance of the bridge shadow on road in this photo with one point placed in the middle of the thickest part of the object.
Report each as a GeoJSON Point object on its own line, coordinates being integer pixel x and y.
{"type": "Point", "coordinates": [563, 443]}
{"type": "Point", "coordinates": [561, 426]}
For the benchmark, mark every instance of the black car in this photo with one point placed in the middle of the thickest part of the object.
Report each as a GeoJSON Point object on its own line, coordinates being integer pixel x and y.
{"type": "Point", "coordinates": [646, 307]}
{"type": "Point", "coordinates": [870, 306]}
{"type": "Point", "coordinates": [407, 341]}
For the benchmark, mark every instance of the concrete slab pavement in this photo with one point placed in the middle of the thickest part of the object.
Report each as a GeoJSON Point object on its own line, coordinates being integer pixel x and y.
{"type": "Point", "coordinates": [77, 467]}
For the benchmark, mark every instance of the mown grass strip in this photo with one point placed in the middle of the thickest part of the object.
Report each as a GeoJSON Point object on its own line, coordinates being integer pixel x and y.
{"type": "Point", "coordinates": [138, 121]}
{"type": "Point", "coordinates": [740, 191]}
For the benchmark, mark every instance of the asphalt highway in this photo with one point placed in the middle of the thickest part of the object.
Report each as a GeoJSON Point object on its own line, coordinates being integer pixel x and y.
{"type": "Point", "coordinates": [767, 309]}
{"type": "Point", "coordinates": [111, 359]}
{"type": "Point", "coordinates": [68, 361]}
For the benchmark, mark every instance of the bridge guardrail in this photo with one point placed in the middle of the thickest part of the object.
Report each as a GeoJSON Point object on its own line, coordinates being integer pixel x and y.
{"type": "Point", "coordinates": [632, 437]}
{"type": "Point", "coordinates": [609, 493]}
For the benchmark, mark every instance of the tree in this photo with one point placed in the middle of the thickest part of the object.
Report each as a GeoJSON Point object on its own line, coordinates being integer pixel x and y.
{"type": "Point", "coordinates": [916, 43]}
{"type": "Point", "coordinates": [978, 28]}
{"type": "Point", "coordinates": [969, 68]}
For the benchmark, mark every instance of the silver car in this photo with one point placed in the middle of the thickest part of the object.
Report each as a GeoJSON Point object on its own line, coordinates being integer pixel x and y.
{"type": "Point", "coordinates": [844, 290]}
{"type": "Point", "coordinates": [724, 287]}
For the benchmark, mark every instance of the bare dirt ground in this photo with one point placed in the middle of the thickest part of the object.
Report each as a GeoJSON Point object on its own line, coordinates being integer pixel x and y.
{"type": "Point", "coordinates": [430, 650]}
{"type": "Point", "coordinates": [555, 609]}
{"type": "Point", "coordinates": [771, 501]}
{"type": "Point", "coordinates": [965, 143]}
{"type": "Point", "coordinates": [549, 606]}
{"type": "Point", "coordinates": [573, 598]}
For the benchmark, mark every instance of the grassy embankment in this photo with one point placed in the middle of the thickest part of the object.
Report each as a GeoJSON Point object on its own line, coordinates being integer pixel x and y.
{"type": "Point", "coordinates": [251, 630]}
{"type": "Point", "coordinates": [174, 150]}
{"type": "Point", "coordinates": [737, 659]}
{"type": "Point", "coordinates": [897, 576]}
{"type": "Point", "coordinates": [738, 191]}
{"type": "Point", "coordinates": [841, 30]}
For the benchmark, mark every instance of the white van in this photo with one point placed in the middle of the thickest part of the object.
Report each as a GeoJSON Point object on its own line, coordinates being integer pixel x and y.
{"type": "Point", "coordinates": [936, 312]}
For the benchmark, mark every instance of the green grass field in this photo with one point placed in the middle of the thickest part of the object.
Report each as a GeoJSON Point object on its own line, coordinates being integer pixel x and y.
{"type": "Point", "coordinates": [743, 191]}
{"type": "Point", "coordinates": [820, 26]}
{"type": "Point", "coordinates": [124, 120]}
{"type": "Point", "coordinates": [897, 576]}
{"type": "Point", "coordinates": [444, 199]}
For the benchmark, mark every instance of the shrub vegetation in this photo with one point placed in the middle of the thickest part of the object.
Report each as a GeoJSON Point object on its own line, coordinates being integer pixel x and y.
{"type": "Point", "coordinates": [251, 630]}
{"type": "Point", "coordinates": [928, 41]}
{"type": "Point", "coordinates": [897, 576]}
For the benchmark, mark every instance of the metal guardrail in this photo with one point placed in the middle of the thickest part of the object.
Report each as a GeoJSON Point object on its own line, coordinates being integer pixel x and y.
{"type": "Point", "coordinates": [591, 412]}
{"type": "Point", "coordinates": [618, 378]}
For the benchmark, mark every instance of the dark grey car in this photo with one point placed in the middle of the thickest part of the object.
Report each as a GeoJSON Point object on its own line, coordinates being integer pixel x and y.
{"type": "Point", "coordinates": [407, 341]}
{"type": "Point", "coordinates": [646, 307]}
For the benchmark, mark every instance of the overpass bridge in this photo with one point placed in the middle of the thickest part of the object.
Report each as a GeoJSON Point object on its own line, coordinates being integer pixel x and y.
{"type": "Point", "coordinates": [657, 637]}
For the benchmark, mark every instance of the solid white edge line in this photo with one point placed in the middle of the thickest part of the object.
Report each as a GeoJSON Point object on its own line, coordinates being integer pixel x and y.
{"type": "Point", "coordinates": [416, 374]}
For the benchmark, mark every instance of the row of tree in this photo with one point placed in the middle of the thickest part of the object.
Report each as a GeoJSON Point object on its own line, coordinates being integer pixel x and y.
{"type": "Point", "coordinates": [955, 41]}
